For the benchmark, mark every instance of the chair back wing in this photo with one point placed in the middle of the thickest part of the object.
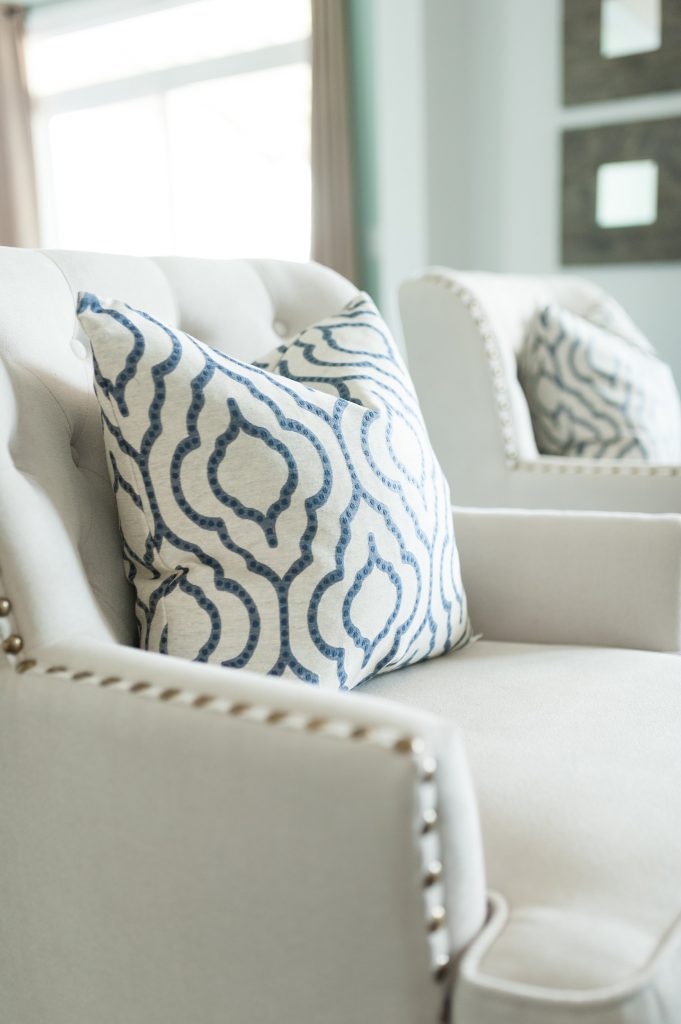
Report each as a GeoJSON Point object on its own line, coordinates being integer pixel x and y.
{"type": "Point", "coordinates": [60, 549]}
{"type": "Point", "coordinates": [463, 333]}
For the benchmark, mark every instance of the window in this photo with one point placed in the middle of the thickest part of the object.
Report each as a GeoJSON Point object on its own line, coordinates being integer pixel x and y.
{"type": "Point", "coordinates": [184, 129]}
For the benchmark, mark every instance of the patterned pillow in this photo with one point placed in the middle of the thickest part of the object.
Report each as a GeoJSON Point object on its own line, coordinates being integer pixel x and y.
{"type": "Point", "coordinates": [594, 393]}
{"type": "Point", "coordinates": [293, 530]}
{"type": "Point", "coordinates": [606, 312]}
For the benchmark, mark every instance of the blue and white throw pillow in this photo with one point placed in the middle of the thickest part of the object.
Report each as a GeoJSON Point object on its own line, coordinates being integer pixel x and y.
{"type": "Point", "coordinates": [288, 517]}
{"type": "Point", "coordinates": [597, 394]}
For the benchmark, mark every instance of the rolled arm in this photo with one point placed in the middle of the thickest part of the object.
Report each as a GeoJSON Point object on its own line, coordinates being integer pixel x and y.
{"type": "Point", "coordinates": [185, 843]}
{"type": "Point", "coordinates": [595, 578]}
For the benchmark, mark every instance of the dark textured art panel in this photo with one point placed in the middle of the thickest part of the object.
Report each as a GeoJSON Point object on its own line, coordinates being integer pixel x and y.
{"type": "Point", "coordinates": [584, 151]}
{"type": "Point", "coordinates": [588, 76]}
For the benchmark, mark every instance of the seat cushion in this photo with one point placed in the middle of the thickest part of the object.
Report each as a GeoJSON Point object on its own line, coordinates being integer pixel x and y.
{"type": "Point", "coordinates": [576, 758]}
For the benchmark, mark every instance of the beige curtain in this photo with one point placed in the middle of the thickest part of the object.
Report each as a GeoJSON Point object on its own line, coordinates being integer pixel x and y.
{"type": "Point", "coordinates": [333, 224]}
{"type": "Point", "coordinates": [18, 203]}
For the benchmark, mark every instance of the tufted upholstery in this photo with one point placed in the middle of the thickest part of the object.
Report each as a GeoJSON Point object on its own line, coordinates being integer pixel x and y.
{"type": "Point", "coordinates": [54, 477]}
{"type": "Point", "coordinates": [186, 842]}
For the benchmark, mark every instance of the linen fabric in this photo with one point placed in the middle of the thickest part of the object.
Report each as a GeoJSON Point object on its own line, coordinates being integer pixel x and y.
{"type": "Point", "coordinates": [294, 530]}
{"type": "Point", "coordinates": [576, 761]}
{"type": "Point", "coordinates": [606, 312]}
{"type": "Point", "coordinates": [595, 393]}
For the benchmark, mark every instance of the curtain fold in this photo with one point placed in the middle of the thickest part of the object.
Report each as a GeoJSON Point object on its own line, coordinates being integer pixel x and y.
{"type": "Point", "coordinates": [18, 201]}
{"type": "Point", "coordinates": [333, 214]}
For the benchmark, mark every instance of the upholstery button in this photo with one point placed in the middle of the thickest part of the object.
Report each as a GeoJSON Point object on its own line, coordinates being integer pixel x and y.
{"type": "Point", "coordinates": [78, 348]}
{"type": "Point", "coordinates": [280, 328]}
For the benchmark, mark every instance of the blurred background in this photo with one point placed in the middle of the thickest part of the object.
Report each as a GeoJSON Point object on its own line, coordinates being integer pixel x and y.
{"type": "Point", "coordinates": [378, 136]}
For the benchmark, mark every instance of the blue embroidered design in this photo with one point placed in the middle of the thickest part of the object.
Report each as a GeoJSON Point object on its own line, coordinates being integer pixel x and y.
{"type": "Point", "coordinates": [287, 516]}
{"type": "Point", "coordinates": [593, 393]}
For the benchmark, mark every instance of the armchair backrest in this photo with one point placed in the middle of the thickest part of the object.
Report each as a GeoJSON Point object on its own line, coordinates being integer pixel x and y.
{"type": "Point", "coordinates": [60, 553]}
{"type": "Point", "coordinates": [464, 332]}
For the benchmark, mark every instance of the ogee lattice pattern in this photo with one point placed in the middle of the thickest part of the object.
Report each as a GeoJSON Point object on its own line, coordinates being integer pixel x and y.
{"type": "Point", "coordinates": [288, 517]}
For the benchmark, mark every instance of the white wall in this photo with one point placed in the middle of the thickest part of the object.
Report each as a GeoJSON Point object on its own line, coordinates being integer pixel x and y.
{"type": "Point", "coordinates": [494, 116]}
{"type": "Point", "coordinates": [389, 53]}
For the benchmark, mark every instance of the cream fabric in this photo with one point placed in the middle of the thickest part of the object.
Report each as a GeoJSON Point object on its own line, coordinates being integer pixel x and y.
{"type": "Point", "coordinates": [162, 861]}
{"type": "Point", "coordinates": [54, 475]}
{"type": "Point", "coordinates": [576, 757]}
{"type": "Point", "coordinates": [167, 864]}
{"type": "Point", "coordinates": [333, 210]}
{"type": "Point", "coordinates": [18, 200]}
{"type": "Point", "coordinates": [607, 580]}
{"type": "Point", "coordinates": [463, 333]}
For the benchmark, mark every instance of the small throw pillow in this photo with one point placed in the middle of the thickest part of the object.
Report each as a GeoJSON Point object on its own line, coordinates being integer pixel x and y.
{"type": "Point", "coordinates": [288, 517]}
{"type": "Point", "coordinates": [596, 394]}
{"type": "Point", "coordinates": [606, 312]}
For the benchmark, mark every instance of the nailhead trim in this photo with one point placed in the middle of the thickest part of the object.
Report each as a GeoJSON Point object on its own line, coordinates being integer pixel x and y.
{"type": "Point", "coordinates": [592, 467]}
{"type": "Point", "coordinates": [429, 821]}
{"type": "Point", "coordinates": [493, 353]}
{"type": "Point", "coordinates": [442, 965]}
{"type": "Point", "coordinates": [11, 641]}
{"type": "Point", "coordinates": [13, 644]}
{"type": "Point", "coordinates": [412, 747]}
{"type": "Point", "coordinates": [428, 768]}
{"type": "Point", "coordinates": [438, 918]}
{"type": "Point", "coordinates": [433, 875]}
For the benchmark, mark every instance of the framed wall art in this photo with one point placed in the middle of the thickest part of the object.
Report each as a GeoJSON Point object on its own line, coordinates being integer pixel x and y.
{"type": "Point", "coordinates": [622, 193]}
{"type": "Point", "coordinates": [615, 48]}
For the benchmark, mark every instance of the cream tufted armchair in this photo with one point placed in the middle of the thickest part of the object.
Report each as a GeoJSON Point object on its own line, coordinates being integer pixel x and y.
{"type": "Point", "coordinates": [186, 843]}
{"type": "Point", "coordinates": [463, 333]}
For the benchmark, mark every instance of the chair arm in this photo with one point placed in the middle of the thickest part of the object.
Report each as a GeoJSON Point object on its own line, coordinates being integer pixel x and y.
{"type": "Point", "coordinates": [596, 578]}
{"type": "Point", "coordinates": [188, 843]}
{"type": "Point", "coordinates": [618, 484]}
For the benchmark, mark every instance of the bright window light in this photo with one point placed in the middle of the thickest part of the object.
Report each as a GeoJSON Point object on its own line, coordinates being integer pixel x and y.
{"type": "Point", "coordinates": [207, 154]}
{"type": "Point", "coordinates": [240, 164]}
{"type": "Point", "coordinates": [185, 34]}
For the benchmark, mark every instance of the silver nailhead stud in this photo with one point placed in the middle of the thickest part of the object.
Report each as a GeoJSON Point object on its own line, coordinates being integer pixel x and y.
{"type": "Point", "coordinates": [433, 874]}
{"type": "Point", "coordinates": [429, 820]}
{"type": "Point", "coordinates": [437, 919]}
{"type": "Point", "coordinates": [442, 965]}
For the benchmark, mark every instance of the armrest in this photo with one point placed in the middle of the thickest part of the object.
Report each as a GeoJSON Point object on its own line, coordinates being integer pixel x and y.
{"type": "Point", "coordinates": [596, 578]}
{"type": "Point", "coordinates": [573, 483]}
{"type": "Point", "coordinates": [185, 843]}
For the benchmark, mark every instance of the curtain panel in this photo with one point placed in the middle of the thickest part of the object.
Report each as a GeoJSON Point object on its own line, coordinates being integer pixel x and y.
{"type": "Point", "coordinates": [18, 202]}
{"type": "Point", "coordinates": [333, 214]}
